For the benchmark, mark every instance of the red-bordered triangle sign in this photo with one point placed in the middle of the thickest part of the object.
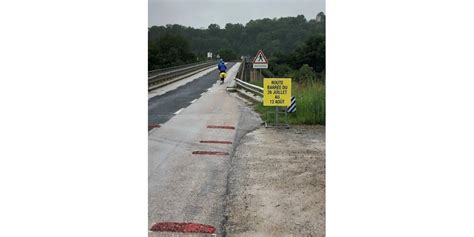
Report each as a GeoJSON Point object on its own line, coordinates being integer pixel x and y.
{"type": "Point", "coordinates": [260, 58]}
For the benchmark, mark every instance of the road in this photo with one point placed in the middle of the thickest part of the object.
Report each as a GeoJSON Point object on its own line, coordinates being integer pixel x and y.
{"type": "Point", "coordinates": [189, 154]}
{"type": "Point", "coordinates": [163, 107]}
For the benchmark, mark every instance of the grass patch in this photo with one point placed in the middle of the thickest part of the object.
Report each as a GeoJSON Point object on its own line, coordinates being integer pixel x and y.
{"type": "Point", "coordinates": [310, 104]}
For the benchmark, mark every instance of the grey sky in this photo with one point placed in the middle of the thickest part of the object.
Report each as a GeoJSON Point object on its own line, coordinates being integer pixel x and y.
{"type": "Point", "coordinates": [201, 13]}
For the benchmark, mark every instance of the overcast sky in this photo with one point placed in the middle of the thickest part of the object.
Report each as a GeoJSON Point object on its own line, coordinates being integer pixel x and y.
{"type": "Point", "coordinates": [201, 13]}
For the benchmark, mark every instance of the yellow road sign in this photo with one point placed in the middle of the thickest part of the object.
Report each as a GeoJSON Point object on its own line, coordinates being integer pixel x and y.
{"type": "Point", "coordinates": [276, 91]}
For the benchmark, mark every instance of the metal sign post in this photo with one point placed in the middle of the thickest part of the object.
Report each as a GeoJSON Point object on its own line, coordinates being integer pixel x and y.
{"type": "Point", "coordinates": [277, 93]}
{"type": "Point", "coordinates": [277, 109]}
{"type": "Point", "coordinates": [277, 123]}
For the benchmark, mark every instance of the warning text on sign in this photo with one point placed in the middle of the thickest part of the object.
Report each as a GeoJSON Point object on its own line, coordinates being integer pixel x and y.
{"type": "Point", "coordinates": [276, 91]}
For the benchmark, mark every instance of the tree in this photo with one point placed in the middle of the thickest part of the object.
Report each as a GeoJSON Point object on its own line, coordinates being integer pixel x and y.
{"type": "Point", "coordinates": [281, 70]}
{"type": "Point", "coordinates": [214, 29]}
{"type": "Point", "coordinates": [169, 50]}
{"type": "Point", "coordinates": [321, 17]}
{"type": "Point", "coordinates": [312, 53]}
{"type": "Point", "coordinates": [153, 55]}
{"type": "Point", "coordinates": [278, 35]}
{"type": "Point", "coordinates": [305, 74]}
{"type": "Point", "coordinates": [306, 64]}
{"type": "Point", "coordinates": [228, 54]}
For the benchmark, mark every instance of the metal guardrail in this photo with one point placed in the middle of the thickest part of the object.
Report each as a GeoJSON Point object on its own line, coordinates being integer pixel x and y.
{"type": "Point", "coordinates": [245, 85]}
{"type": "Point", "coordinates": [257, 90]}
{"type": "Point", "coordinates": [174, 70]}
{"type": "Point", "coordinates": [162, 77]}
{"type": "Point", "coordinates": [157, 71]}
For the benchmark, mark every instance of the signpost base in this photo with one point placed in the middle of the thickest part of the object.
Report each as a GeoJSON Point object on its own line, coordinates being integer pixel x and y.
{"type": "Point", "coordinates": [277, 124]}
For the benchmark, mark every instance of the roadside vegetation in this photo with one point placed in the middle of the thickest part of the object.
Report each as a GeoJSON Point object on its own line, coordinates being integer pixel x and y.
{"type": "Point", "coordinates": [306, 67]}
{"type": "Point", "coordinates": [310, 104]}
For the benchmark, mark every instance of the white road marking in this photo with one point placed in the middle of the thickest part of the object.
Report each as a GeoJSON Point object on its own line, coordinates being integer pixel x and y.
{"type": "Point", "coordinates": [194, 101]}
{"type": "Point", "coordinates": [179, 111]}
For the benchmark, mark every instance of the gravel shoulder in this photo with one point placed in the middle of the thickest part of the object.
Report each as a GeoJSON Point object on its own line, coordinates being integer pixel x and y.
{"type": "Point", "coordinates": [277, 183]}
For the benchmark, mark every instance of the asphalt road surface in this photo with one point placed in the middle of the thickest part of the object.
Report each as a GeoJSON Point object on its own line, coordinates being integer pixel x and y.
{"type": "Point", "coordinates": [189, 154]}
{"type": "Point", "coordinates": [163, 107]}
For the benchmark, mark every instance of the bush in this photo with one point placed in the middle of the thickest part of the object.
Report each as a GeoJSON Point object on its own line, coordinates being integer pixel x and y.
{"type": "Point", "coordinates": [281, 70]}
{"type": "Point", "coordinates": [305, 75]}
{"type": "Point", "coordinates": [267, 73]}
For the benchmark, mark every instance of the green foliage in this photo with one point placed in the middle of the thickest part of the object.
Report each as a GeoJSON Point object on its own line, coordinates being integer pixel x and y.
{"type": "Point", "coordinates": [306, 64]}
{"type": "Point", "coordinates": [280, 70]}
{"type": "Point", "coordinates": [310, 105]}
{"type": "Point", "coordinates": [321, 17]}
{"type": "Point", "coordinates": [305, 75]}
{"type": "Point", "coordinates": [267, 73]}
{"type": "Point", "coordinates": [282, 35]}
{"type": "Point", "coordinates": [312, 53]}
{"type": "Point", "coordinates": [153, 55]}
{"type": "Point", "coordinates": [258, 82]}
{"type": "Point", "coordinates": [169, 50]}
{"type": "Point", "coordinates": [214, 29]}
{"type": "Point", "coordinates": [228, 54]}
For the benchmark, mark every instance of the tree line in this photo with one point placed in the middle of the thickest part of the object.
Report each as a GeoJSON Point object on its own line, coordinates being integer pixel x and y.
{"type": "Point", "coordinates": [289, 42]}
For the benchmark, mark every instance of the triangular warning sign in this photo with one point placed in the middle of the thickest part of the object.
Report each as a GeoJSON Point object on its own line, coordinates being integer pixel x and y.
{"type": "Point", "coordinates": [260, 58]}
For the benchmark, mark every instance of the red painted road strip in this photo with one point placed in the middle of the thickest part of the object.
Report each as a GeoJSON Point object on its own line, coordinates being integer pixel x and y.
{"type": "Point", "coordinates": [219, 142]}
{"type": "Point", "coordinates": [217, 126]}
{"type": "Point", "coordinates": [154, 126]}
{"type": "Point", "coordinates": [210, 153]}
{"type": "Point", "coordinates": [183, 227]}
